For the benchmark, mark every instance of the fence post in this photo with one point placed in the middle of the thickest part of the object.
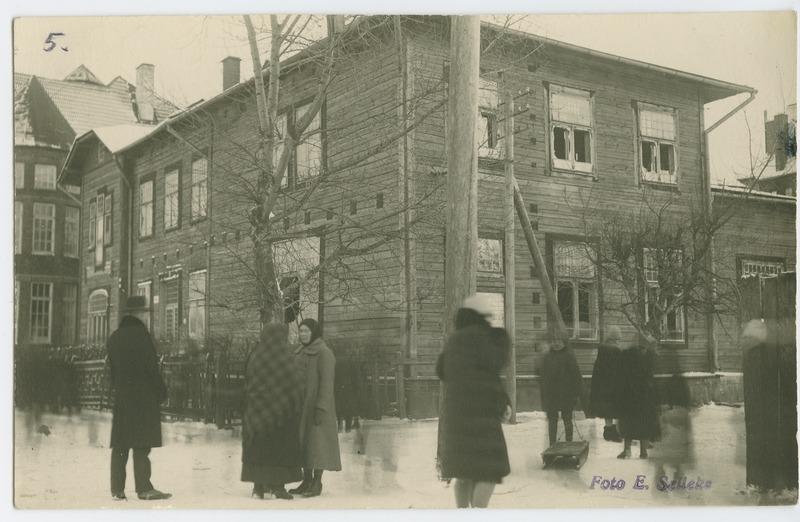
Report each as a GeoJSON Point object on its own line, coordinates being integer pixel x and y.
{"type": "Point", "coordinates": [399, 382]}
{"type": "Point", "coordinates": [208, 389]}
{"type": "Point", "coordinates": [220, 414]}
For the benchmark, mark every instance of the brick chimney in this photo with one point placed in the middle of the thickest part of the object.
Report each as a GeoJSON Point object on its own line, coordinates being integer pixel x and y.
{"type": "Point", "coordinates": [335, 24]}
{"type": "Point", "coordinates": [231, 74]}
{"type": "Point", "coordinates": [776, 139]}
{"type": "Point", "coordinates": [145, 82]}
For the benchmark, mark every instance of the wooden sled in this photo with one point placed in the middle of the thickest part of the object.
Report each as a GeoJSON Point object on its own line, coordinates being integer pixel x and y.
{"type": "Point", "coordinates": [572, 454]}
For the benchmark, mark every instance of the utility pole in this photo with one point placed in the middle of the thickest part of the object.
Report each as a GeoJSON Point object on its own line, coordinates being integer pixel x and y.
{"type": "Point", "coordinates": [510, 253]}
{"type": "Point", "coordinates": [461, 217]}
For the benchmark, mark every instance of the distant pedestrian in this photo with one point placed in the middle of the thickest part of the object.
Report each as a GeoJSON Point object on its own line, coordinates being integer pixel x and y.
{"type": "Point", "coordinates": [605, 383]}
{"type": "Point", "coordinates": [138, 392]}
{"type": "Point", "coordinates": [347, 387]}
{"type": "Point", "coordinates": [638, 404]}
{"type": "Point", "coordinates": [271, 455]}
{"type": "Point", "coordinates": [319, 437]}
{"type": "Point", "coordinates": [561, 387]}
{"type": "Point", "coordinates": [472, 448]}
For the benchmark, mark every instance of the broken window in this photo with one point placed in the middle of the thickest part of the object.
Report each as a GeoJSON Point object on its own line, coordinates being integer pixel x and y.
{"type": "Point", "coordinates": [488, 129]}
{"type": "Point", "coordinates": [490, 255]}
{"type": "Point", "coordinates": [657, 136]}
{"type": "Point", "coordinates": [571, 128]}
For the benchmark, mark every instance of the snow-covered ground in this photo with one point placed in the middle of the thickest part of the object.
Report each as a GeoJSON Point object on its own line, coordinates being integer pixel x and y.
{"type": "Point", "coordinates": [386, 464]}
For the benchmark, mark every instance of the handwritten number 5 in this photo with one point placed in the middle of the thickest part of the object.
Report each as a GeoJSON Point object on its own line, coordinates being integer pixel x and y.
{"type": "Point", "coordinates": [50, 44]}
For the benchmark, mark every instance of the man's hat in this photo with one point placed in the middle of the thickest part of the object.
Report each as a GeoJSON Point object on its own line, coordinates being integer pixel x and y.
{"type": "Point", "coordinates": [135, 303]}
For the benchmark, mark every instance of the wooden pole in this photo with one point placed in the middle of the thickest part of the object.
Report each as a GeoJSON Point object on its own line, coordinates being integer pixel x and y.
{"type": "Point", "coordinates": [461, 215]}
{"type": "Point", "coordinates": [510, 253]}
{"type": "Point", "coordinates": [538, 261]}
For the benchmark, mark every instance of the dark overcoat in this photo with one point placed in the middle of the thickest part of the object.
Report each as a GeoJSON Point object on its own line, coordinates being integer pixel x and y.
{"type": "Point", "coordinates": [605, 382]}
{"type": "Point", "coordinates": [639, 408]}
{"type": "Point", "coordinates": [471, 441]}
{"type": "Point", "coordinates": [561, 382]}
{"type": "Point", "coordinates": [347, 387]}
{"type": "Point", "coordinates": [320, 442]}
{"type": "Point", "coordinates": [138, 387]}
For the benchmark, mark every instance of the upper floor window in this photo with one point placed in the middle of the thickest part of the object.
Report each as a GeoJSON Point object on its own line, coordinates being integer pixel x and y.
{"type": "Point", "coordinates": [44, 177]}
{"type": "Point", "coordinates": [488, 128]}
{"type": "Point", "coordinates": [490, 255]}
{"type": "Point", "coordinates": [44, 219]}
{"type": "Point", "coordinates": [657, 138]}
{"type": "Point", "coordinates": [308, 153]}
{"type": "Point", "coordinates": [71, 230]}
{"type": "Point", "coordinates": [199, 188]}
{"type": "Point", "coordinates": [762, 267]}
{"type": "Point", "coordinates": [18, 227]}
{"type": "Point", "coordinates": [146, 208]}
{"type": "Point", "coordinates": [663, 269]}
{"type": "Point", "coordinates": [576, 288]}
{"type": "Point", "coordinates": [571, 129]}
{"type": "Point", "coordinates": [108, 215]}
{"type": "Point", "coordinates": [19, 175]}
{"type": "Point", "coordinates": [172, 199]}
{"type": "Point", "coordinates": [99, 229]}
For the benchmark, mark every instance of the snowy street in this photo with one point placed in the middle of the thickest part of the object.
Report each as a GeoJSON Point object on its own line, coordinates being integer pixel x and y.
{"type": "Point", "coordinates": [387, 464]}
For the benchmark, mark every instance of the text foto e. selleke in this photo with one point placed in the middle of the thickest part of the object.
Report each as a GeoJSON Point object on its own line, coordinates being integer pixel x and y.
{"type": "Point", "coordinates": [642, 482]}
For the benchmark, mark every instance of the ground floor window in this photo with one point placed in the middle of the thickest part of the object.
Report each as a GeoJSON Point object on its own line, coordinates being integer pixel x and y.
{"type": "Point", "coordinates": [762, 267]}
{"type": "Point", "coordinates": [41, 311]}
{"type": "Point", "coordinates": [70, 313]}
{"type": "Point", "coordinates": [97, 322]}
{"type": "Point", "coordinates": [170, 293]}
{"type": "Point", "coordinates": [197, 305]}
{"type": "Point", "coordinates": [576, 288]}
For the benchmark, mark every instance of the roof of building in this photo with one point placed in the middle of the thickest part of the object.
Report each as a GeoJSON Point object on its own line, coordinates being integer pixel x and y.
{"type": "Point", "coordinates": [730, 190]}
{"type": "Point", "coordinates": [81, 100]}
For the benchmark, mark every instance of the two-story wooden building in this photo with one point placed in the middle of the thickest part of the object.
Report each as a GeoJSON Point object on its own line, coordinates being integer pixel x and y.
{"type": "Point", "coordinates": [48, 114]}
{"type": "Point", "coordinates": [360, 218]}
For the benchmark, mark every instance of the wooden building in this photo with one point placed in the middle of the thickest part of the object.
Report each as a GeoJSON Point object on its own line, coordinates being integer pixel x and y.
{"type": "Point", "coordinates": [359, 230]}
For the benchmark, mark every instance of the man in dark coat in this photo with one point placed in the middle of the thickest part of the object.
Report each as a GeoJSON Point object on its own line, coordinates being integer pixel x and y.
{"type": "Point", "coordinates": [606, 383]}
{"type": "Point", "coordinates": [138, 393]}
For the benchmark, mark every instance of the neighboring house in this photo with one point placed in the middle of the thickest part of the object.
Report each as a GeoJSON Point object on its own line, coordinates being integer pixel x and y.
{"type": "Point", "coordinates": [780, 175]}
{"type": "Point", "coordinates": [48, 115]}
{"type": "Point", "coordinates": [593, 125]}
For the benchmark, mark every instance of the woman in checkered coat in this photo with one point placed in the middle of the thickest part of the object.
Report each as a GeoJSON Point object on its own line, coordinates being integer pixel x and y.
{"type": "Point", "coordinates": [271, 455]}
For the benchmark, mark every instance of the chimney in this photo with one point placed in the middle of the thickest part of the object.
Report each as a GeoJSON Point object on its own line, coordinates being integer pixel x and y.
{"type": "Point", "coordinates": [335, 24]}
{"type": "Point", "coordinates": [230, 72]}
{"type": "Point", "coordinates": [145, 81]}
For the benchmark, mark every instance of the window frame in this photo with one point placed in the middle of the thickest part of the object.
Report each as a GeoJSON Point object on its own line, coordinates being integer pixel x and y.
{"type": "Point", "coordinates": [741, 259]}
{"type": "Point", "coordinates": [36, 230]}
{"type": "Point", "coordinates": [488, 107]}
{"type": "Point", "coordinates": [37, 299]}
{"type": "Point", "coordinates": [150, 178]}
{"type": "Point", "coordinates": [570, 164]}
{"type": "Point", "coordinates": [575, 282]}
{"type": "Point", "coordinates": [69, 321]}
{"type": "Point", "coordinates": [19, 175]}
{"type": "Point", "coordinates": [108, 218]}
{"type": "Point", "coordinates": [176, 194]}
{"type": "Point", "coordinates": [99, 234]}
{"type": "Point", "coordinates": [200, 185]}
{"type": "Point", "coordinates": [75, 221]}
{"type": "Point", "coordinates": [148, 284]}
{"type": "Point", "coordinates": [97, 321]}
{"type": "Point", "coordinates": [18, 225]}
{"type": "Point", "coordinates": [648, 285]}
{"type": "Point", "coordinates": [500, 250]}
{"type": "Point", "coordinates": [194, 304]}
{"type": "Point", "coordinates": [167, 306]}
{"type": "Point", "coordinates": [656, 177]}
{"type": "Point", "coordinates": [37, 185]}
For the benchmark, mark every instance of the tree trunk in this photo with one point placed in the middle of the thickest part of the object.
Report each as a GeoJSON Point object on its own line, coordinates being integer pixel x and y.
{"type": "Point", "coordinates": [510, 251]}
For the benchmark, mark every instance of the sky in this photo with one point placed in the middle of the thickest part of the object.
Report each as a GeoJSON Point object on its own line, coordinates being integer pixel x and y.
{"type": "Point", "coordinates": [754, 49]}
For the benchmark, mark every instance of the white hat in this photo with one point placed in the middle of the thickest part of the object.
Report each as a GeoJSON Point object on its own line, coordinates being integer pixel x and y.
{"type": "Point", "coordinates": [480, 304]}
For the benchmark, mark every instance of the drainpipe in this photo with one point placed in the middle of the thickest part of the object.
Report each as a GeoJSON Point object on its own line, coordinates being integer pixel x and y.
{"type": "Point", "coordinates": [713, 352]}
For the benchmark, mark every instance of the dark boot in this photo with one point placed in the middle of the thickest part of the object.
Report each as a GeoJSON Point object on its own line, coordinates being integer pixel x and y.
{"type": "Point", "coordinates": [303, 487]}
{"type": "Point", "coordinates": [611, 434]}
{"type": "Point", "coordinates": [315, 489]}
{"type": "Point", "coordinates": [280, 492]}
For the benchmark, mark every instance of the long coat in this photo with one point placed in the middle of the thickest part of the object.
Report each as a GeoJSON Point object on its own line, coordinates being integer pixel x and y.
{"type": "Point", "coordinates": [138, 387]}
{"type": "Point", "coordinates": [561, 381]}
{"type": "Point", "coordinates": [472, 445]}
{"type": "Point", "coordinates": [320, 442]}
{"type": "Point", "coordinates": [638, 405]}
{"type": "Point", "coordinates": [606, 382]}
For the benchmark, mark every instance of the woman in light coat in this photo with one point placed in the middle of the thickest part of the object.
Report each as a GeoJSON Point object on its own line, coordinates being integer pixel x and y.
{"type": "Point", "coordinates": [319, 438]}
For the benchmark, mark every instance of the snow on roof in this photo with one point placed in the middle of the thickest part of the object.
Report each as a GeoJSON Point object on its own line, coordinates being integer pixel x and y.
{"type": "Point", "coordinates": [117, 137]}
{"type": "Point", "coordinates": [732, 189]}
